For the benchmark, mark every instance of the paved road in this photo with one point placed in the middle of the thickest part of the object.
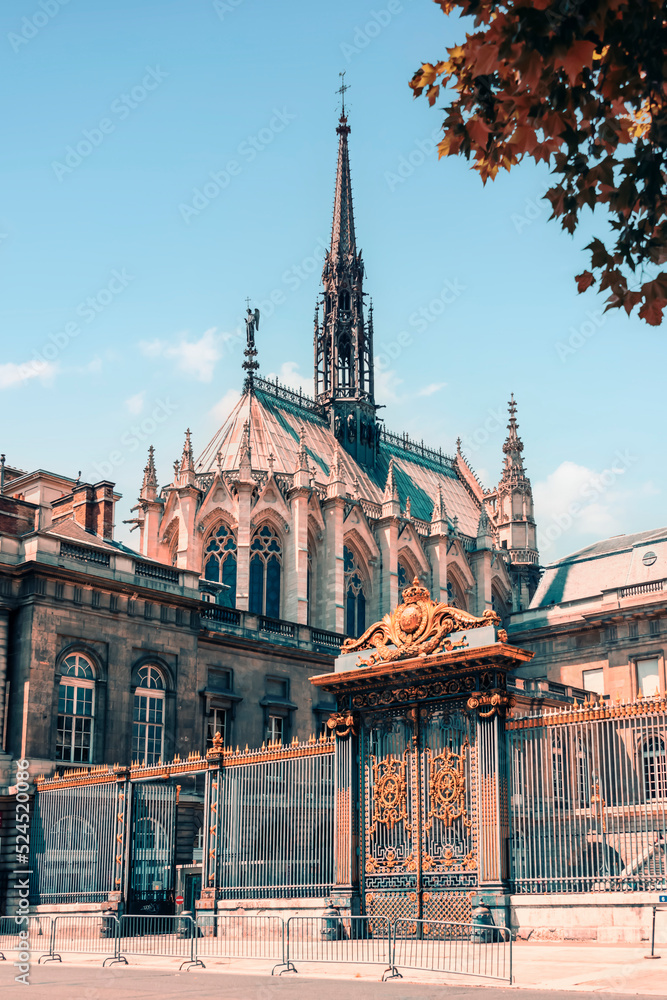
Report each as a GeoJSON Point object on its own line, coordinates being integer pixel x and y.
{"type": "Point", "coordinates": [70, 982]}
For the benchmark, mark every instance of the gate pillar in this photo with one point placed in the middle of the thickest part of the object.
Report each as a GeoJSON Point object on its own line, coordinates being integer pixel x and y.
{"type": "Point", "coordinates": [345, 894]}
{"type": "Point", "coordinates": [206, 903]}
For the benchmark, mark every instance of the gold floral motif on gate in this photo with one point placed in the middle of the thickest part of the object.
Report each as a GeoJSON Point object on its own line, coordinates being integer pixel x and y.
{"type": "Point", "coordinates": [390, 792]}
{"type": "Point", "coordinates": [447, 786]}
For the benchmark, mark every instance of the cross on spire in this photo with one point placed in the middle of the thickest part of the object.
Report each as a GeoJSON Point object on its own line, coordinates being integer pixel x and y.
{"type": "Point", "coordinates": [341, 90]}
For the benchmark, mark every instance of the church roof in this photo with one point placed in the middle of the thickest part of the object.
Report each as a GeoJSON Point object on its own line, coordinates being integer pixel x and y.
{"type": "Point", "coordinates": [274, 419]}
{"type": "Point", "coordinates": [606, 565]}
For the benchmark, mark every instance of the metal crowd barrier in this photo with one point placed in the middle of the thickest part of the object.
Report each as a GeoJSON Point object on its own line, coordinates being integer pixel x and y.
{"type": "Point", "coordinates": [355, 940]}
{"type": "Point", "coordinates": [444, 946]}
{"type": "Point", "coordinates": [14, 935]}
{"type": "Point", "coordinates": [93, 933]}
{"type": "Point", "coordinates": [160, 937]}
{"type": "Point", "coordinates": [467, 949]}
{"type": "Point", "coordinates": [231, 935]}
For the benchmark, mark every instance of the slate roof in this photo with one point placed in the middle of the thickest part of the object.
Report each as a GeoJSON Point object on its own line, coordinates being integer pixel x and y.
{"type": "Point", "coordinates": [609, 564]}
{"type": "Point", "coordinates": [275, 424]}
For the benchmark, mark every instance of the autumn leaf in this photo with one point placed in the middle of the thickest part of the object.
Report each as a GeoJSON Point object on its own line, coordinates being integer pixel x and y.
{"type": "Point", "coordinates": [575, 58]}
{"type": "Point", "coordinates": [584, 281]}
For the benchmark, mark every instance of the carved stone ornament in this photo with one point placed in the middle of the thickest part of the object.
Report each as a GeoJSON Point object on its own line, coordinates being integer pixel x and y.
{"type": "Point", "coordinates": [418, 627]}
{"type": "Point", "coordinates": [342, 724]}
{"type": "Point", "coordinates": [488, 704]}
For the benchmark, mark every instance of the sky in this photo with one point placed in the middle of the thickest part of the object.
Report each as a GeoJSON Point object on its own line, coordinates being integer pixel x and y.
{"type": "Point", "coordinates": [162, 161]}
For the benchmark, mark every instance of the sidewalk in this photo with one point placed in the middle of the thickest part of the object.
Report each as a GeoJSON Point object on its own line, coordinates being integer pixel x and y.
{"type": "Point", "coordinates": [587, 968]}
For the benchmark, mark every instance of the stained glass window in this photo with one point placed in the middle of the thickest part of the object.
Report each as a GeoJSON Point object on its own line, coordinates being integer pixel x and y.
{"type": "Point", "coordinates": [265, 571]}
{"type": "Point", "coordinates": [220, 562]}
{"type": "Point", "coordinates": [355, 597]}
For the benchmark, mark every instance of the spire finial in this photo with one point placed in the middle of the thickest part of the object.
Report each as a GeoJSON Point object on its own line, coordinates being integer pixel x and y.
{"type": "Point", "coordinates": [513, 468]}
{"type": "Point", "coordinates": [341, 90]}
{"type": "Point", "coordinates": [149, 484]}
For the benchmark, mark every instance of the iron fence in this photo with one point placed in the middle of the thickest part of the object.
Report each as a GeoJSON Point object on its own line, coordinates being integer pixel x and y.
{"type": "Point", "coordinates": [455, 948]}
{"type": "Point", "coordinates": [239, 936]}
{"type": "Point", "coordinates": [276, 827]}
{"type": "Point", "coordinates": [94, 933]}
{"type": "Point", "coordinates": [588, 799]}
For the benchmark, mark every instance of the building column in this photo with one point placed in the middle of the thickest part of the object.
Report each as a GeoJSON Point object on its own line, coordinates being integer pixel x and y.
{"type": "Point", "coordinates": [345, 894]}
{"type": "Point", "coordinates": [333, 576]}
{"type": "Point", "coordinates": [296, 603]}
{"type": "Point", "coordinates": [387, 589]}
{"type": "Point", "coordinates": [437, 553]}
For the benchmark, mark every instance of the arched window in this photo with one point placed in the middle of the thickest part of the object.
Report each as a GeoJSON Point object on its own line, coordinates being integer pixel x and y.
{"type": "Point", "coordinates": [265, 568]}
{"type": "Point", "coordinates": [403, 577]}
{"type": "Point", "coordinates": [220, 562]}
{"type": "Point", "coordinates": [455, 595]}
{"type": "Point", "coordinates": [148, 716]}
{"type": "Point", "coordinates": [310, 589]}
{"type": "Point", "coordinates": [655, 768]}
{"type": "Point", "coordinates": [76, 705]}
{"type": "Point", "coordinates": [355, 597]}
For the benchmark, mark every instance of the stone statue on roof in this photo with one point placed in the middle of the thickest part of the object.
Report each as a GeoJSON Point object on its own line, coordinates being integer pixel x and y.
{"type": "Point", "coordinates": [251, 326]}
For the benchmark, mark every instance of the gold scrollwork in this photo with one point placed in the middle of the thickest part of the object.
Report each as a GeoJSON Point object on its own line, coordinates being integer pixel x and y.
{"type": "Point", "coordinates": [488, 704]}
{"type": "Point", "coordinates": [342, 724]}
{"type": "Point", "coordinates": [418, 627]}
{"type": "Point", "coordinates": [447, 786]}
{"type": "Point", "coordinates": [390, 792]}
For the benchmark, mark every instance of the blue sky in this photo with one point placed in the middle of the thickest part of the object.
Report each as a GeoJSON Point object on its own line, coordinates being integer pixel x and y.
{"type": "Point", "coordinates": [121, 288]}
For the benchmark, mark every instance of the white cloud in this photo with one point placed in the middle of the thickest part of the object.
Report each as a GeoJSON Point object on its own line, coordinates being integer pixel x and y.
{"type": "Point", "coordinates": [12, 375]}
{"type": "Point", "coordinates": [196, 358]}
{"type": "Point", "coordinates": [290, 376]}
{"type": "Point", "coordinates": [582, 504]}
{"type": "Point", "coordinates": [135, 404]}
{"type": "Point", "coordinates": [431, 389]}
{"type": "Point", "coordinates": [386, 386]}
{"type": "Point", "coordinates": [224, 406]}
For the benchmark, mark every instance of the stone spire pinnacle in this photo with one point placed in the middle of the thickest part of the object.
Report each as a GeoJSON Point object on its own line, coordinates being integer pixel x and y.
{"type": "Point", "coordinates": [390, 489]}
{"type": "Point", "coordinates": [149, 484]}
{"type": "Point", "coordinates": [186, 471]}
{"type": "Point", "coordinates": [439, 512]}
{"type": "Point", "coordinates": [513, 469]}
{"type": "Point", "coordinates": [302, 456]}
{"type": "Point", "coordinates": [245, 463]}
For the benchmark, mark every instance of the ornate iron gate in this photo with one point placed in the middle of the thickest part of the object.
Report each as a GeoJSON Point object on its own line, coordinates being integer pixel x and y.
{"type": "Point", "coordinates": [419, 847]}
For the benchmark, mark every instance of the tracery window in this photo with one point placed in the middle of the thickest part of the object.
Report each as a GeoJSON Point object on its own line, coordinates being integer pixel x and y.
{"type": "Point", "coordinates": [655, 768]}
{"type": "Point", "coordinates": [455, 595]}
{"type": "Point", "coordinates": [148, 716]}
{"type": "Point", "coordinates": [265, 570]}
{"type": "Point", "coordinates": [76, 701]}
{"type": "Point", "coordinates": [403, 577]}
{"type": "Point", "coordinates": [355, 597]}
{"type": "Point", "coordinates": [220, 562]}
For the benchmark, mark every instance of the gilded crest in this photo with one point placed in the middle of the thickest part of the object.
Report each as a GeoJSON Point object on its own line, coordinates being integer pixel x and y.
{"type": "Point", "coordinates": [418, 627]}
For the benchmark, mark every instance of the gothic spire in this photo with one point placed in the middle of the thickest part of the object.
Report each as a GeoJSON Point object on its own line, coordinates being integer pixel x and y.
{"type": "Point", "coordinates": [186, 470]}
{"type": "Point", "coordinates": [513, 469]}
{"type": "Point", "coordinates": [149, 484]}
{"type": "Point", "coordinates": [343, 243]}
{"type": "Point", "coordinates": [390, 489]}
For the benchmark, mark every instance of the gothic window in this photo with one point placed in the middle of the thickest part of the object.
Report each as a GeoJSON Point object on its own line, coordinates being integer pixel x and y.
{"type": "Point", "coordinates": [220, 562]}
{"type": "Point", "coordinates": [265, 569]}
{"type": "Point", "coordinates": [455, 596]}
{"type": "Point", "coordinates": [76, 700]}
{"type": "Point", "coordinates": [655, 768]}
{"type": "Point", "coordinates": [148, 716]}
{"type": "Point", "coordinates": [345, 361]}
{"type": "Point", "coordinates": [310, 592]}
{"type": "Point", "coordinates": [344, 300]}
{"type": "Point", "coordinates": [403, 577]}
{"type": "Point", "coordinates": [355, 597]}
